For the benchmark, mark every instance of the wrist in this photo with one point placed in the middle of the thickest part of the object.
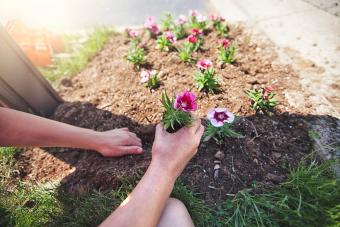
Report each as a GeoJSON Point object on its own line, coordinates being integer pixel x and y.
{"type": "Point", "coordinates": [91, 140]}
{"type": "Point", "coordinates": [165, 170]}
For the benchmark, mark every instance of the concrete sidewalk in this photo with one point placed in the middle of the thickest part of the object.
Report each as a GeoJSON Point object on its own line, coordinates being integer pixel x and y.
{"type": "Point", "coordinates": [306, 36]}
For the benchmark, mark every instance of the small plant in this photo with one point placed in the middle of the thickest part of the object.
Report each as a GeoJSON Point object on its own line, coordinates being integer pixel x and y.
{"type": "Point", "coordinates": [191, 45]}
{"type": "Point", "coordinates": [178, 27]}
{"type": "Point", "coordinates": [205, 77]}
{"type": "Point", "coordinates": [167, 22]}
{"type": "Point", "coordinates": [262, 99]}
{"type": "Point", "coordinates": [219, 25]}
{"type": "Point", "coordinates": [133, 35]}
{"type": "Point", "coordinates": [197, 20]}
{"type": "Point", "coordinates": [177, 110]}
{"type": "Point", "coordinates": [227, 51]}
{"type": "Point", "coordinates": [166, 41]}
{"type": "Point", "coordinates": [219, 125]}
{"type": "Point", "coordinates": [136, 55]}
{"type": "Point", "coordinates": [151, 26]}
{"type": "Point", "coordinates": [150, 78]}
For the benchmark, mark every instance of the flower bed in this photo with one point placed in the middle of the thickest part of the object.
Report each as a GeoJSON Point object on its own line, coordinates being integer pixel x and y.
{"type": "Point", "coordinates": [251, 149]}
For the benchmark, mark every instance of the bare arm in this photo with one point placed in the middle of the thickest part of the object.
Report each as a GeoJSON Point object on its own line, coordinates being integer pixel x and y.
{"type": "Point", "coordinates": [170, 154]}
{"type": "Point", "coordinates": [22, 129]}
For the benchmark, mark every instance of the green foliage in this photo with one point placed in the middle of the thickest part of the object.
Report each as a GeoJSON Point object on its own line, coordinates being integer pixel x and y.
{"type": "Point", "coordinates": [153, 82]}
{"type": "Point", "coordinates": [303, 200]}
{"type": "Point", "coordinates": [167, 22]}
{"type": "Point", "coordinates": [193, 23]}
{"type": "Point", "coordinates": [79, 57]}
{"type": "Point", "coordinates": [219, 133]}
{"type": "Point", "coordinates": [163, 43]}
{"type": "Point", "coordinates": [206, 81]}
{"type": "Point", "coordinates": [136, 56]}
{"type": "Point", "coordinates": [227, 55]}
{"type": "Point", "coordinates": [259, 102]}
{"type": "Point", "coordinates": [221, 28]}
{"type": "Point", "coordinates": [179, 31]}
{"type": "Point", "coordinates": [174, 119]}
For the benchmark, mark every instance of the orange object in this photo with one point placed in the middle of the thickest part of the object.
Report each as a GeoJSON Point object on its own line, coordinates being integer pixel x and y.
{"type": "Point", "coordinates": [37, 44]}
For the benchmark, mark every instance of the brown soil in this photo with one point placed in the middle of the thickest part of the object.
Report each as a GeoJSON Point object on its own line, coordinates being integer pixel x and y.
{"type": "Point", "coordinates": [108, 94]}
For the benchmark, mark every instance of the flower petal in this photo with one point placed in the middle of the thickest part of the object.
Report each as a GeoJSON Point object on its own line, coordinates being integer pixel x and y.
{"type": "Point", "coordinates": [216, 123]}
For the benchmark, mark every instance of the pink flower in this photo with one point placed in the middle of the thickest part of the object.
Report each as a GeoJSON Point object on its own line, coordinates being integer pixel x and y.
{"type": "Point", "coordinates": [204, 64]}
{"type": "Point", "coordinates": [144, 76]}
{"type": "Point", "coordinates": [192, 39]}
{"type": "Point", "coordinates": [181, 20]}
{"type": "Point", "coordinates": [170, 36]}
{"type": "Point", "coordinates": [219, 116]}
{"type": "Point", "coordinates": [151, 25]}
{"type": "Point", "coordinates": [196, 31]}
{"type": "Point", "coordinates": [193, 13]}
{"type": "Point", "coordinates": [225, 42]}
{"type": "Point", "coordinates": [186, 102]}
{"type": "Point", "coordinates": [201, 18]}
{"type": "Point", "coordinates": [266, 92]}
{"type": "Point", "coordinates": [216, 18]}
{"type": "Point", "coordinates": [133, 33]}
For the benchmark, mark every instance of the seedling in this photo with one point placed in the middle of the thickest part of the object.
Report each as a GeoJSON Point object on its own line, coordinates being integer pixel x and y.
{"type": "Point", "coordinates": [177, 110]}
{"type": "Point", "coordinates": [151, 79]}
{"type": "Point", "coordinates": [219, 125]}
{"type": "Point", "coordinates": [219, 25]}
{"type": "Point", "coordinates": [197, 20]}
{"type": "Point", "coordinates": [136, 55]}
{"type": "Point", "coordinates": [227, 52]}
{"type": "Point", "coordinates": [262, 99]}
{"type": "Point", "coordinates": [205, 77]}
{"type": "Point", "coordinates": [166, 41]}
{"type": "Point", "coordinates": [178, 27]}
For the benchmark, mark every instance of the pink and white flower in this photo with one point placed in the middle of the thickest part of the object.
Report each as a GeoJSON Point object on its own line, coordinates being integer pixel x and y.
{"type": "Point", "coordinates": [201, 18]}
{"type": "Point", "coordinates": [196, 31]}
{"type": "Point", "coordinates": [193, 13]}
{"type": "Point", "coordinates": [225, 43]}
{"type": "Point", "coordinates": [192, 39]}
{"type": "Point", "coordinates": [145, 75]}
{"type": "Point", "coordinates": [204, 64]}
{"type": "Point", "coordinates": [186, 102]}
{"type": "Point", "coordinates": [216, 18]}
{"type": "Point", "coordinates": [219, 116]}
{"type": "Point", "coordinates": [170, 36]}
{"type": "Point", "coordinates": [151, 25]}
{"type": "Point", "coordinates": [133, 33]}
{"type": "Point", "coordinates": [182, 19]}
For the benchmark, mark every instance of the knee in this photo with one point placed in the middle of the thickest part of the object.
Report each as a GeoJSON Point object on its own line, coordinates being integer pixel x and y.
{"type": "Point", "coordinates": [175, 204]}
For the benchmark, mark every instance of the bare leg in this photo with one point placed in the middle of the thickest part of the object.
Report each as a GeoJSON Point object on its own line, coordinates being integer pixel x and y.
{"type": "Point", "coordinates": [175, 214]}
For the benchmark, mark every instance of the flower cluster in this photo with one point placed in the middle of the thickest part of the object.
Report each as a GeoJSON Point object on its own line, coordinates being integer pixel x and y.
{"type": "Point", "coordinates": [262, 99]}
{"type": "Point", "coordinates": [197, 20]}
{"type": "Point", "coordinates": [150, 78]}
{"type": "Point", "coordinates": [219, 25]}
{"type": "Point", "coordinates": [219, 125]}
{"type": "Point", "coordinates": [227, 51]}
{"type": "Point", "coordinates": [205, 77]}
{"type": "Point", "coordinates": [166, 41]}
{"type": "Point", "coordinates": [151, 26]}
{"type": "Point", "coordinates": [177, 110]}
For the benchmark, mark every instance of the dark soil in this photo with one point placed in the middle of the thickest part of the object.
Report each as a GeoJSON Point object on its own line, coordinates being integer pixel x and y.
{"type": "Point", "coordinates": [108, 94]}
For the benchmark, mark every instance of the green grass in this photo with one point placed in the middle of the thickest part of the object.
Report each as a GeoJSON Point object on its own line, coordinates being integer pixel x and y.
{"type": "Point", "coordinates": [79, 56]}
{"type": "Point", "coordinates": [309, 197]}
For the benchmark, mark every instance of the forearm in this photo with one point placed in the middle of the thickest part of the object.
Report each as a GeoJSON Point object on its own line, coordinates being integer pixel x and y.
{"type": "Point", "coordinates": [22, 129]}
{"type": "Point", "coordinates": [144, 206]}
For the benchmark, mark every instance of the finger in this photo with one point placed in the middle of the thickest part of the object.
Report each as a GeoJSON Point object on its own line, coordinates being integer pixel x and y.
{"type": "Point", "coordinates": [131, 141]}
{"type": "Point", "coordinates": [134, 136]}
{"type": "Point", "coordinates": [130, 150]}
{"type": "Point", "coordinates": [124, 129]}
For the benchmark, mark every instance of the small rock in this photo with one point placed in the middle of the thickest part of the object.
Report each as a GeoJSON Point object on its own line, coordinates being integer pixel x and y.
{"type": "Point", "coordinates": [276, 155]}
{"type": "Point", "coordinates": [274, 178]}
{"type": "Point", "coordinates": [219, 155]}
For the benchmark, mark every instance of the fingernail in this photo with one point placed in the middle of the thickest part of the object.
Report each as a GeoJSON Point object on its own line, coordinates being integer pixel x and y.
{"type": "Point", "coordinates": [140, 150]}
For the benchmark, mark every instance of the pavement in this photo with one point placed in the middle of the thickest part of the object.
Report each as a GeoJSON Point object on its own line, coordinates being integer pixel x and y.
{"type": "Point", "coordinates": [307, 36]}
